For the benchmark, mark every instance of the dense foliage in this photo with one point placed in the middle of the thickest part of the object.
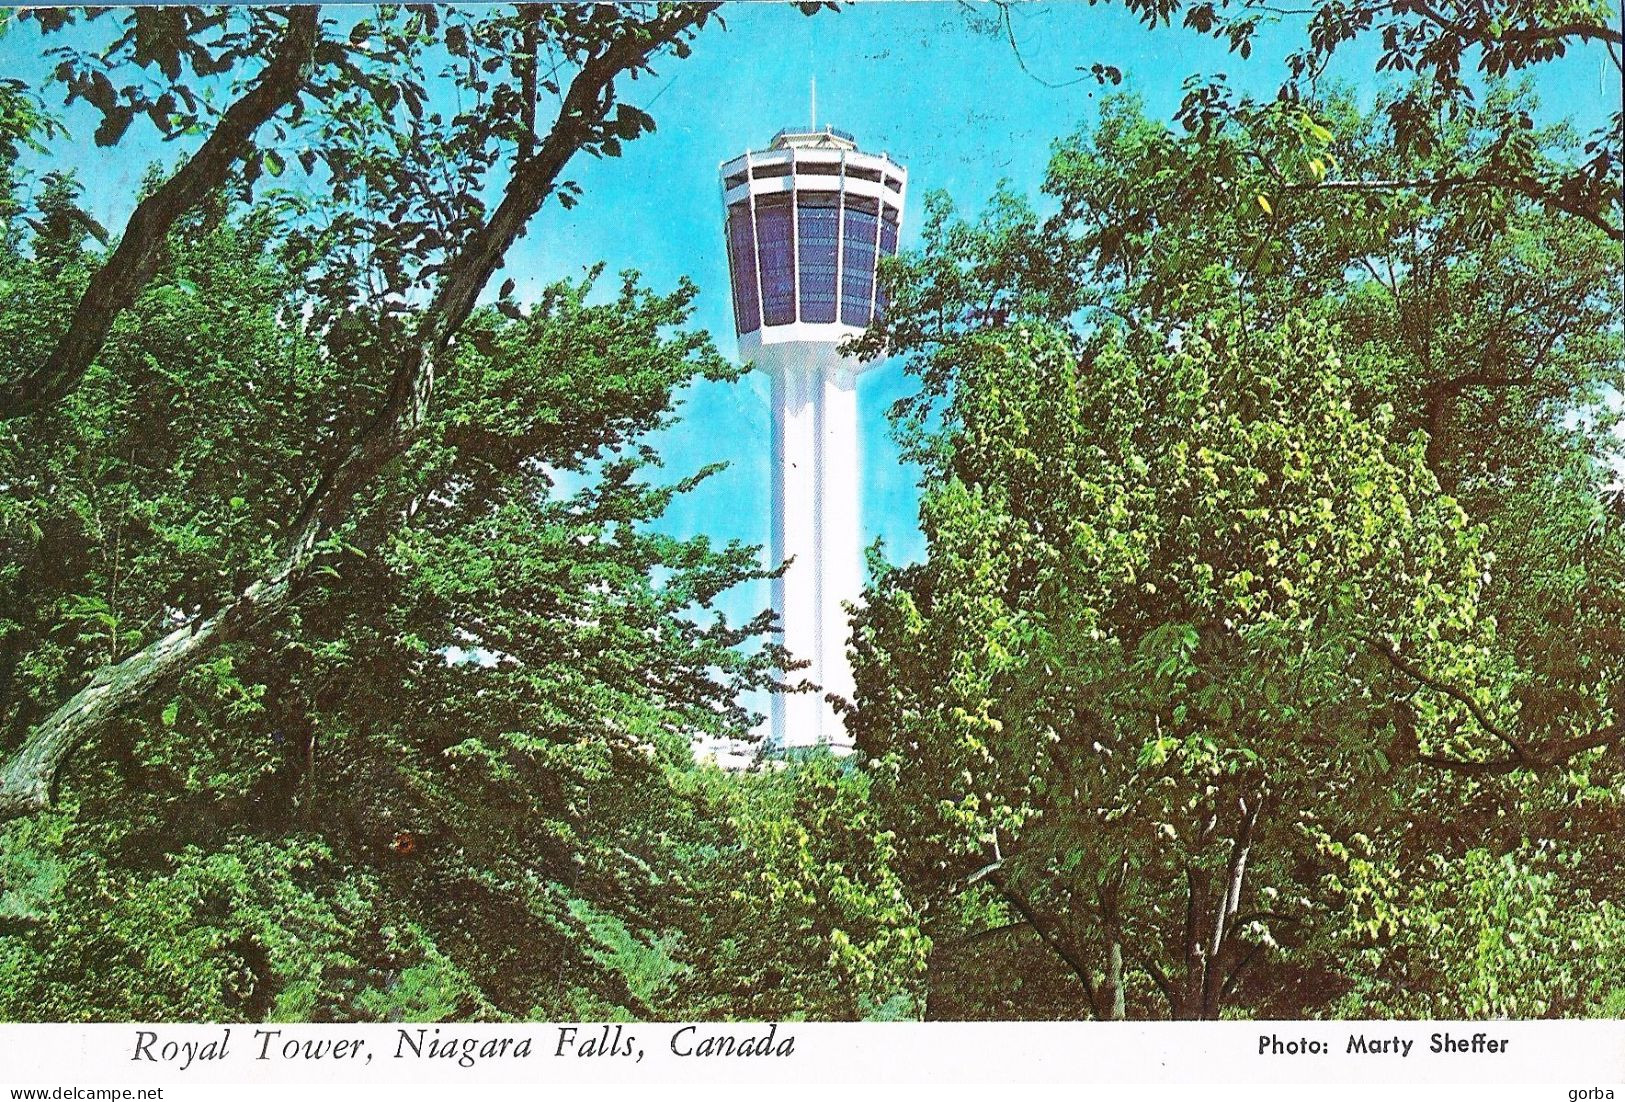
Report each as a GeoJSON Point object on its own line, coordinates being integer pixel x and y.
{"type": "Point", "coordinates": [1270, 621]}
{"type": "Point", "coordinates": [440, 767]}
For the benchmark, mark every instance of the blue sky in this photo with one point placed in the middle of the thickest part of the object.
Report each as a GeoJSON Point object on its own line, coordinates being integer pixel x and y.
{"type": "Point", "coordinates": [915, 80]}
{"type": "Point", "coordinates": [918, 80]}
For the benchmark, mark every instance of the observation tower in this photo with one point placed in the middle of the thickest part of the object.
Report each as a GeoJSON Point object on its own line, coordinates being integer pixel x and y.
{"type": "Point", "coordinates": [807, 220]}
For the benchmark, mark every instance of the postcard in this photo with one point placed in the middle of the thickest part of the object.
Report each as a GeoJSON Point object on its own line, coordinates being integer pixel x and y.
{"type": "Point", "coordinates": [1021, 541]}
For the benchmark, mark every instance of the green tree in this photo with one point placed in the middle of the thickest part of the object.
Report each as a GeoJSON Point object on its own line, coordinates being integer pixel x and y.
{"type": "Point", "coordinates": [1130, 669]}
{"type": "Point", "coordinates": [416, 279]}
{"type": "Point", "coordinates": [446, 781]}
{"type": "Point", "coordinates": [802, 915]}
{"type": "Point", "coordinates": [1228, 630]}
{"type": "Point", "coordinates": [1454, 49]}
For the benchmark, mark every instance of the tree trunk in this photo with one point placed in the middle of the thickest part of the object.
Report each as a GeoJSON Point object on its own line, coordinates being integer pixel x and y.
{"type": "Point", "coordinates": [1112, 990]}
{"type": "Point", "coordinates": [27, 779]}
{"type": "Point", "coordinates": [1210, 943]}
{"type": "Point", "coordinates": [1109, 896]}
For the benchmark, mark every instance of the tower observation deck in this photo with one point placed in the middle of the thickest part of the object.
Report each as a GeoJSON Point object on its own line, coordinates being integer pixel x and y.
{"type": "Point", "coordinates": [807, 220]}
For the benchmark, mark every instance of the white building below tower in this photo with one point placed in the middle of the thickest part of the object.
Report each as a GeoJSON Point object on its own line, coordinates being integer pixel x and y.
{"type": "Point", "coordinates": [807, 220]}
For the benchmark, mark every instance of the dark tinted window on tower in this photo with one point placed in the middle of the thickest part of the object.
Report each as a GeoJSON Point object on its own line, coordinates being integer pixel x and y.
{"type": "Point", "coordinates": [742, 266]}
{"type": "Point", "coordinates": [888, 247]}
{"type": "Point", "coordinates": [888, 231]}
{"type": "Point", "coordinates": [777, 246]}
{"type": "Point", "coordinates": [816, 217]}
{"type": "Point", "coordinates": [858, 265]}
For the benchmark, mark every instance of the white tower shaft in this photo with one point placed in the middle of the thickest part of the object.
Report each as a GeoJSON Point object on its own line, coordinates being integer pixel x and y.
{"type": "Point", "coordinates": [815, 528]}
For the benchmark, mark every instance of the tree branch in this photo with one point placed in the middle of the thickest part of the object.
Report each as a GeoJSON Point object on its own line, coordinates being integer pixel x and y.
{"type": "Point", "coordinates": [131, 267]}
{"type": "Point", "coordinates": [1481, 35]}
{"type": "Point", "coordinates": [1389, 652]}
{"type": "Point", "coordinates": [1236, 973]}
{"type": "Point", "coordinates": [1524, 756]}
{"type": "Point", "coordinates": [1552, 757]}
{"type": "Point", "coordinates": [1047, 933]}
{"type": "Point", "coordinates": [1525, 186]}
{"type": "Point", "coordinates": [1160, 978]}
{"type": "Point", "coordinates": [991, 931]}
